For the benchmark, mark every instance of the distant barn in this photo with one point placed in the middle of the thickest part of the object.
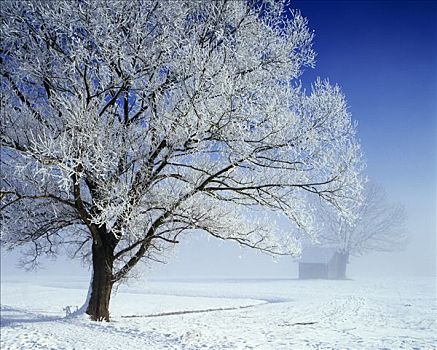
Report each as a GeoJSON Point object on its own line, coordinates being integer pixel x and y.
{"type": "Point", "coordinates": [322, 263]}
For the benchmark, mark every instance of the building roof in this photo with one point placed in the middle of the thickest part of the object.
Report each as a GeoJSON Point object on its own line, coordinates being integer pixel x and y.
{"type": "Point", "coordinates": [317, 255]}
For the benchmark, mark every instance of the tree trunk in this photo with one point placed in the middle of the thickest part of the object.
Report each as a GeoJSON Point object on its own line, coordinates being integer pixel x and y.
{"type": "Point", "coordinates": [337, 265]}
{"type": "Point", "coordinates": [343, 259]}
{"type": "Point", "coordinates": [102, 281]}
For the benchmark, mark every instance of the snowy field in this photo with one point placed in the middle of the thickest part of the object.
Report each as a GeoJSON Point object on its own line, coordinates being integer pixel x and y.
{"type": "Point", "coordinates": [229, 314]}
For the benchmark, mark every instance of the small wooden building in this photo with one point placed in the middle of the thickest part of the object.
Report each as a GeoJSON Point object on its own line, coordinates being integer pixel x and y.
{"type": "Point", "coordinates": [322, 263]}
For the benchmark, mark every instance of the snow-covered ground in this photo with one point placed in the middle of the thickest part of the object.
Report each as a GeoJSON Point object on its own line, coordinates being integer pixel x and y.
{"type": "Point", "coordinates": [233, 314]}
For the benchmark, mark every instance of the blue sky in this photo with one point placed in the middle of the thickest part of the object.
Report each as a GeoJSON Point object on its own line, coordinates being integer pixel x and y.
{"type": "Point", "coordinates": [384, 56]}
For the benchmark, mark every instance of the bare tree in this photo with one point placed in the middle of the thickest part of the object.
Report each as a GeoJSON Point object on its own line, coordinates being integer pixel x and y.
{"type": "Point", "coordinates": [126, 124]}
{"type": "Point", "coordinates": [379, 226]}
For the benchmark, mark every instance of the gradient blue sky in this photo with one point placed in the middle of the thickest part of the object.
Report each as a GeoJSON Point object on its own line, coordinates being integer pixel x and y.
{"type": "Point", "coordinates": [384, 56]}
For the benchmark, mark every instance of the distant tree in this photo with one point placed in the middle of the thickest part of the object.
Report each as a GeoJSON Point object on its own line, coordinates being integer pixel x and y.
{"type": "Point", "coordinates": [379, 227]}
{"type": "Point", "coordinates": [128, 123]}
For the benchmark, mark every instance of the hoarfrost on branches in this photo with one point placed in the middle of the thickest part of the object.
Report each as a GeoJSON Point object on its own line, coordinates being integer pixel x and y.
{"type": "Point", "coordinates": [127, 124]}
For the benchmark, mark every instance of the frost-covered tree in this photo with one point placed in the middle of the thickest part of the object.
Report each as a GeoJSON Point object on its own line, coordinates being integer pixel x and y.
{"type": "Point", "coordinates": [379, 226]}
{"type": "Point", "coordinates": [127, 124]}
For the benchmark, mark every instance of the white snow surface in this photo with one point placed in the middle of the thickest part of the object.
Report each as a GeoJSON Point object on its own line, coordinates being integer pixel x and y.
{"type": "Point", "coordinates": [255, 314]}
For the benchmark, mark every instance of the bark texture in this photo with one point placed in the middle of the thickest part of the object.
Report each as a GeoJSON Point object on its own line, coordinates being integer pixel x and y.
{"type": "Point", "coordinates": [102, 281]}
